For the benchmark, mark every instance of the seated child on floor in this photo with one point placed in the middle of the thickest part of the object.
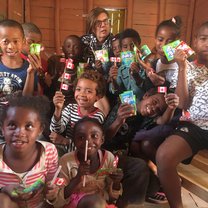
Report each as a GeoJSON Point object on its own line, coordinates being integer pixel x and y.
{"type": "Point", "coordinates": [89, 169]}
{"type": "Point", "coordinates": [89, 88]}
{"type": "Point", "coordinates": [23, 159]}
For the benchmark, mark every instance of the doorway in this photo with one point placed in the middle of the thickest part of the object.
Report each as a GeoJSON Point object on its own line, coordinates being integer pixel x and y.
{"type": "Point", "coordinates": [117, 17]}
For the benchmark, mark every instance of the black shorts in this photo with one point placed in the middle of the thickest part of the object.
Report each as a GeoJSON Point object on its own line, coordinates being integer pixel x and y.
{"type": "Point", "coordinates": [196, 137]}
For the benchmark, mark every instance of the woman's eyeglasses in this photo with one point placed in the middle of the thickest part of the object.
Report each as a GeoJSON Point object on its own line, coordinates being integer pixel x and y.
{"type": "Point", "coordinates": [98, 23]}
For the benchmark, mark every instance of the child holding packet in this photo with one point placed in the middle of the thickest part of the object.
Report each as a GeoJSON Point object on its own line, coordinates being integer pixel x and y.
{"type": "Point", "coordinates": [89, 88]}
{"type": "Point", "coordinates": [89, 163]}
{"type": "Point", "coordinates": [192, 135]}
{"type": "Point", "coordinates": [15, 72]}
{"type": "Point", "coordinates": [130, 75]}
{"type": "Point", "coordinates": [26, 164]}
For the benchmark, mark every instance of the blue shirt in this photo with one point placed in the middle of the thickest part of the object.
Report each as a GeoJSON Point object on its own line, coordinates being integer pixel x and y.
{"type": "Point", "coordinates": [12, 80]}
{"type": "Point", "coordinates": [126, 82]}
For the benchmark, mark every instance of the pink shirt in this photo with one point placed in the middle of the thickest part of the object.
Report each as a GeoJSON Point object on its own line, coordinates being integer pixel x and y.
{"type": "Point", "coordinates": [44, 169]}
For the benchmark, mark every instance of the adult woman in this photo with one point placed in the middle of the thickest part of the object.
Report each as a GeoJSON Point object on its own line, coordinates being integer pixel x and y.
{"type": "Point", "coordinates": [98, 37]}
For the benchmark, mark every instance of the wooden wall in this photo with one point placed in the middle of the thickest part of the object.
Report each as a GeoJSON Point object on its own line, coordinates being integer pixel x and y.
{"type": "Point", "coordinates": [59, 18]}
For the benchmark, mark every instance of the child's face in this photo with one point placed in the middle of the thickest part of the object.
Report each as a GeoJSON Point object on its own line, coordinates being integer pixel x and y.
{"type": "Point", "coordinates": [86, 93]}
{"type": "Point", "coordinates": [21, 128]}
{"type": "Point", "coordinates": [91, 132]}
{"type": "Point", "coordinates": [30, 38]}
{"type": "Point", "coordinates": [11, 41]}
{"type": "Point", "coordinates": [201, 45]}
{"type": "Point", "coordinates": [116, 48]}
{"type": "Point", "coordinates": [165, 35]}
{"type": "Point", "coordinates": [153, 105]}
{"type": "Point", "coordinates": [72, 48]}
{"type": "Point", "coordinates": [127, 44]}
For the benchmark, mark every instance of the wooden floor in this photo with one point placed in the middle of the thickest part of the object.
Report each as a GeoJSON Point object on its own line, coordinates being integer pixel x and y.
{"type": "Point", "coordinates": [189, 200]}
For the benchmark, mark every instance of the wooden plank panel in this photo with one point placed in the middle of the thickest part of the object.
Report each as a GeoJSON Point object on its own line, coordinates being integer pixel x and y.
{"type": "Point", "coordinates": [3, 9]}
{"type": "Point", "coordinates": [39, 11]}
{"type": "Point", "coordinates": [48, 34]}
{"type": "Point", "coordinates": [47, 23]}
{"type": "Point", "coordinates": [182, 2]}
{"type": "Point", "coordinates": [145, 29]}
{"type": "Point", "coordinates": [43, 3]}
{"type": "Point", "coordinates": [27, 11]}
{"type": "Point", "coordinates": [71, 4]}
{"type": "Point", "coordinates": [65, 33]}
{"type": "Point", "coordinates": [110, 3]}
{"type": "Point", "coordinates": [173, 10]}
{"type": "Point", "coordinates": [15, 10]}
{"type": "Point", "coordinates": [71, 12]}
{"type": "Point", "coordinates": [145, 20]}
{"type": "Point", "coordinates": [74, 24]}
{"type": "Point", "coordinates": [49, 43]}
{"type": "Point", "coordinates": [146, 6]}
{"type": "Point", "coordinates": [201, 15]}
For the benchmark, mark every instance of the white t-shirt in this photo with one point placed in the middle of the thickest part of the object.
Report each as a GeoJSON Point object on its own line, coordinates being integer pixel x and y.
{"type": "Point", "coordinates": [197, 76]}
{"type": "Point", "coordinates": [168, 71]}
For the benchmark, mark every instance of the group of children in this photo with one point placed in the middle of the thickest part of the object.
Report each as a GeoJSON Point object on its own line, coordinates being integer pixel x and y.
{"type": "Point", "coordinates": [96, 148]}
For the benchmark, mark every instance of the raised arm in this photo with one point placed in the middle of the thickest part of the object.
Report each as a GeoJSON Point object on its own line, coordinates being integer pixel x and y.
{"type": "Point", "coordinates": [172, 101]}
{"type": "Point", "coordinates": [125, 110]}
{"type": "Point", "coordinates": [182, 84]}
{"type": "Point", "coordinates": [35, 65]}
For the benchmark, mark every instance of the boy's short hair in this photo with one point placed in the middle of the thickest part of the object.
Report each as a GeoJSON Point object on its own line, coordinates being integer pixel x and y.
{"type": "Point", "coordinates": [75, 37]}
{"type": "Point", "coordinates": [81, 45]}
{"type": "Point", "coordinates": [96, 77]}
{"type": "Point", "coordinates": [130, 33]}
{"type": "Point", "coordinates": [12, 23]}
{"type": "Point", "coordinates": [202, 26]}
{"type": "Point", "coordinates": [31, 27]}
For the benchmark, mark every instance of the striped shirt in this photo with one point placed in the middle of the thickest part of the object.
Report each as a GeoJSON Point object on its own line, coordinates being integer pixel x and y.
{"type": "Point", "coordinates": [70, 115]}
{"type": "Point", "coordinates": [44, 169]}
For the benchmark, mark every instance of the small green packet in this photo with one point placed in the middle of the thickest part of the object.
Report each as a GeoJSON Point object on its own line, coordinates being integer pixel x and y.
{"type": "Point", "coordinates": [145, 52]}
{"type": "Point", "coordinates": [80, 69]}
{"type": "Point", "coordinates": [130, 98]}
{"type": "Point", "coordinates": [169, 49]}
{"type": "Point", "coordinates": [35, 48]}
{"type": "Point", "coordinates": [102, 55]}
{"type": "Point", "coordinates": [35, 186]}
{"type": "Point", "coordinates": [128, 57]}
